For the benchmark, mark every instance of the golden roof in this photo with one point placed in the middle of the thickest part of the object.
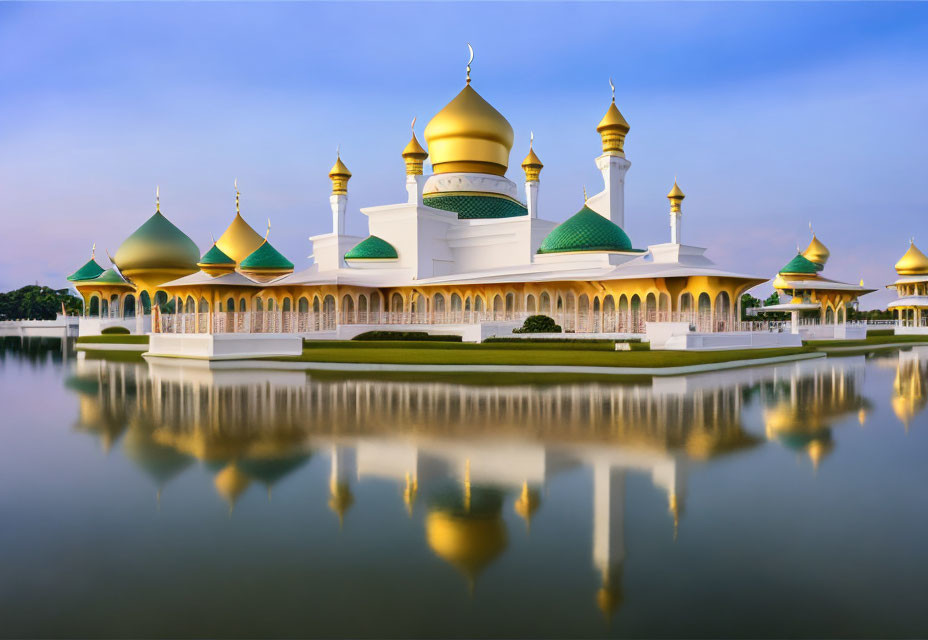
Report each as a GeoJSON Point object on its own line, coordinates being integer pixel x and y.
{"type": "Point", "coordinates": [231, 483]}
{"type": "Point", "coordinates": [912, 263]}
{"type": "Point", "coordinates": [676, 193]}
{"type": "Point", "coordinates": [339, 169]}
{"type": "Point", "coordinates": [469, 135]}
{"type": "Point", "coordinates": [239, 240]}
{"type": "Point", "coordinates": [613, 120]}
{"type": "Point", "coordinates": [467, 543]}
{"type": "Point", "coordinates": [816, 251]}
{"type": "Point", "coordinates": [532, 160]}
{"type": "Point", "coordinates": [414, 150]}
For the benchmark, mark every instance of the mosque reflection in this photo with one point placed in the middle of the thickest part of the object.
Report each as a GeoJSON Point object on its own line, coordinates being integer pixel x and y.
{"type": "Point", "coordinates": [463, 452]}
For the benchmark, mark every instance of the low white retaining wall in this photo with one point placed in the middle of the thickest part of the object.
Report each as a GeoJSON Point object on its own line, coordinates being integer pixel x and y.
{"type": "Point", "coordinates": [94, 326]}
{"type": "Point", "coordinates": [911, 331]}
{"type": "Point", "coordinates": [731, 340]}
{"type": "Point", "coordinates": [476, 332]}
{"type": "Point", "coordinates": [833, 331]}
{"type": "Point", "coordinates": [224, 346]}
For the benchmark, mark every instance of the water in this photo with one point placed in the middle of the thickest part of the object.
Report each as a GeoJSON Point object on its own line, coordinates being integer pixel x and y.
{"type": "Point", "coordinates": [784, 501]}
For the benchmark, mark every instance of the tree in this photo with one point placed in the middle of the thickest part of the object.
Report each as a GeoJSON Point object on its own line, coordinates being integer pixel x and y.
{"type": "Point", "coordinates": [33, 302]}
{"type": "Point", "coordinates": [539, 324]}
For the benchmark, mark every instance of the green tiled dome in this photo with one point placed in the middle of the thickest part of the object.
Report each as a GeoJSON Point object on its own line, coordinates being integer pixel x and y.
{"type": "Point", "coordinates": [216, 256]}
{"type": "Point", "coordinates": [586, 230]}
{"type": "Point", "coordinates": [110, 276]}
{"type": "Point", "coordinates": [372, 248]}
{"type": "Point", "coordinates": [800, 264]}
{"type": "Point", "coordinates": [476, 206]}
{"type": "Point", "coordinates": [266, 257]}
{"type": "Point", "coordinates": [89, 271]}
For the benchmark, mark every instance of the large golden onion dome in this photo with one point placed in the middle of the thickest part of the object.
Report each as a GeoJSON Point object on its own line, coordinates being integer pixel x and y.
{"type": "Point", "coordinates": [157, 245]}
{"type": "Point", "coordinates": [816, 252]}
{"type": "Point", "coordinates": [913, 263]}
{"type": "Point", "coordinates": [468, 135]}
{"type": "Point", "coordinates": [468, 543]}
{"type": "Point", "coordinates": [239, 240]}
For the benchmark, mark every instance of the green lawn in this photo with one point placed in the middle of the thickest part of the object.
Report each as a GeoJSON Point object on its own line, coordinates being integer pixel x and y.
{"type": "Point", "coordinates": [870, 341]}
{"type": "Point", "coordinates": [113, 339]}
{"type": "Point", "coordinates": [505, 354]}
{"type": "Point", "coordinates": [460, 346]}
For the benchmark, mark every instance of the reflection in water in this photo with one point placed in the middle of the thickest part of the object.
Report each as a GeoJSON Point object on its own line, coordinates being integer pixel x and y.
{"type": "Point", "coordinates": [910, 388]}
{"type": "Point", "coordinates": [801, 409]}
{"type": "Point", "coordinates": [464, 447]}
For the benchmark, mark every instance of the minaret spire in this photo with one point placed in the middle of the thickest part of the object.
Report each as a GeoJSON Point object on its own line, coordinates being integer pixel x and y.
{"type": "Point", "coordinates": [157, 198]}
{"type": "Point", "coordinates": [471, 49]}
{"type": "Point", "coordinates": [237, 210]}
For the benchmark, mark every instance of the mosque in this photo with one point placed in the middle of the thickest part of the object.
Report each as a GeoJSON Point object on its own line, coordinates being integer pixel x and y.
{"type": "Point", "coordinates": [465, 249]}
{"type": "Point", "coordinates": [911, 307]}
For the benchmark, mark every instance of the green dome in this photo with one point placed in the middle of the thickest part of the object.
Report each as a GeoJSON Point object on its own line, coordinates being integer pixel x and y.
{"type": "Point", "coordinates": [216, 256]}
{"type": "Point", "coordinates": [157, 244]}
{"type": "Point", "coordinates": [89, 271]}
{"type": "Point", "coordinates": [372, 248]}
{"type": "Point", "coordinates": [800, 264]}
{"type": "Point", "coordinates": [472, 206]}
{"type": "Point", "coordinates": [586, 230]}
{"type": "Point", "coordinates": [266, 257]}
{"type": "Point", "coordinates": [110, 276]}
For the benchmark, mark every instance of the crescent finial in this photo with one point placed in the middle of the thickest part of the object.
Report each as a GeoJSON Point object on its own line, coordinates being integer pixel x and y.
{"type": "Point", "coordinates": [235, 184]}
{"type": "Point", "coordinates": [584, 194]}
{"type": "Point", "coordinates": [338, 150]}
{"type": "Point", "coordinates": [469, 61]}
{"type": "Point", "coordinates": [531, 139]}
{"type": "Point", "coordinates": [811, 230]}
{"type": "Point", "coordinates": [612, 86]}
{"type": "Point", "coordinates": [93, 251]}
{"type": "Point", "coordinates": [157, 199]}
{"type": "Point", "coordinates": [268, 232]}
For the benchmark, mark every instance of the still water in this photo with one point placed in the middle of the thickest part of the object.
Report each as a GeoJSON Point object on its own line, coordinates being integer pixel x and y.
{"type": "Point", "coordinates": [154, 500]}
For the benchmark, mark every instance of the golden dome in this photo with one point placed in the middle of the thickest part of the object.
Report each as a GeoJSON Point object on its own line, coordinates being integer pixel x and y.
{"type": "Point", "coordinates": [414, 155]}
{"type": "Point", "coordinates": [469, 135]}
{"type": "Point", "coordinates": [613, 128]}
{"type": "Point", "coordinates": [469, 543]}
{"type": "Point", "coordinates": [157, 245]}
{"type": "Point", "coordinates": [231, 483]}
{"type": "Point", "coordinates": [532, 165]}
{"type": "Point", "coordinates": [816, 252]}
{"type": "Point", "coordinates": [340, 499]}
{"type": "Point", "coordinates": [339, 175]}
{"type": "Point", "coordinates": [527, 503]}
{"type": "Point", "coordinates": [675, 196]}
{"type": "Point", "coordinates": [913, 263]}
{"type": "Point", "coordinates": [239, 240]}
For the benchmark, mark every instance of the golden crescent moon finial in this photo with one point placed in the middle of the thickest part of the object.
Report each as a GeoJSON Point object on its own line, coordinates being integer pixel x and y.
{"type": "Point", "coordinates": [212, 238]}
{"type": "Point", "coordinates": [612, 86]}
{"type": "Point", "coordinates": [413, 125]}
{"type": "Point", "coordinates": [268, 232]}
{"type": "Point", "coordinates": [531, 139]}
{"type": "Point", "coordinates": [93, 251]}
{"type": "Point", "coordinates": [470, 61]}
{"type": "Point", "coordinates": [157, 199]}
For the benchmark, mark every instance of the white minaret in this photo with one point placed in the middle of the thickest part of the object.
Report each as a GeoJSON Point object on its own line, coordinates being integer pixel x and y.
{"type": "Point", "coordinates": [339, 175]}
{"type": "Point", "coordinates": [532, 166]}
{"type": "Point", "coordinates": [675, 196]}
{"type": "Point", "coordinates": [610, 203]}
{"type": "Point", "coordinates": [608, 533]}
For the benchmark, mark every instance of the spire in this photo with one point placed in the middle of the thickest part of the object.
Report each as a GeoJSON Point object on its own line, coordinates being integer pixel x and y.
{"type": "Point", "coordinates": [471, 50]}
{"type": "Point", "coordinates": [339, 175]}
{"type": "Point", "coordinates": [414, 154]}
{"type": "Point", "coordinates": [158, 198]}
{"type": "Point", "coordinates": [613, 128]}
{"type": "Point", "coordinates": [238, 211]}
{"type": "Point", "coordinates": [93, 251]}
{"type": "Point", "coordinates": [532, 164]}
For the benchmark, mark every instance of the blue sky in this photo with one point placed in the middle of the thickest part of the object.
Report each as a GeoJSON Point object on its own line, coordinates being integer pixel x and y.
{"type": "Point", "coordinates": [771, 115]}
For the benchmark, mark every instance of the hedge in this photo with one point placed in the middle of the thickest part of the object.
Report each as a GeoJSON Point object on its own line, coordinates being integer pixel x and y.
{"type": "Point", "coordinates": [115, 330]}
{"type": "Point", "coordinates": [420, 336]}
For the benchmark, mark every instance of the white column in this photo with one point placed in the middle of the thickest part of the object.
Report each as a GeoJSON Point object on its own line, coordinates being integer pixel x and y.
{"type": "Point", "coordinates": [339, 204]}
{"type": "Point", "coordinates": [608, 517]}
{"type": "Point", "coordinates": [794, 321]}
{"type": "Point", "coordinates": [676, 220]}
{"type": "Point", "coordinates": [611, 202]}
{"type": "Point", "coordinates": [531, 198]}
{"type": "Point", "coordinates": [414, 186]}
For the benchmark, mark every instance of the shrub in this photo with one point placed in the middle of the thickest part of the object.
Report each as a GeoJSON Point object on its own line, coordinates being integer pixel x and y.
{"type": "Point", "coordinates": [871, 333]}
{"type": "Point", "coordinates": [538, 324]}
{"type": "Point", "coordinates": [561, 341]}
{"type": "Point", "coordinates": [115, 330]}
{"type": "Point", "coordinates": [420, 336]}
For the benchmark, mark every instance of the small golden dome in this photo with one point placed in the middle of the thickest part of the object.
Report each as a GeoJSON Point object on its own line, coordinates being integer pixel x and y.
{"type": "Point", "coordinates": [468, 543]}
{"type": "Point", "coordinates": [527, 503]}
{"type": "Point", "coordinates": [532, 165]}
{"type": "Point", "coordinates": [340, 499]}
{"type": "Point", "coordinates": [414, 155]}
{"type": "Point", "coordinates": [613, 128]}
{"type": "Point", "coordinates": [816, 252]}
{"type": "Point", "coordinates": [469, 135]}
{"type": "Point", "coordinates": [912, 263]}
{"type": "Point", "coordinates": [239, 240]}
{"type": "Point", "coordinates": [339, 175]}
{"type": "Point", "coordinates": [675, 196]}
{"type": "Point", "coordinates": [231, 482]}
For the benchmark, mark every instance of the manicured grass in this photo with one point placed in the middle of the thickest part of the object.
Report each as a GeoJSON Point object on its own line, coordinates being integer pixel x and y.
{"type": "Point", "coordinates": [114, 356]}
{"type": "Point", "coordinates": [529, 355]}
{"type": "Point", "coordinates": [459, 346]}
{"type": "Point", "coordinates": [113, 339]}
{"type": "Point", "coordinates": [870, 341]}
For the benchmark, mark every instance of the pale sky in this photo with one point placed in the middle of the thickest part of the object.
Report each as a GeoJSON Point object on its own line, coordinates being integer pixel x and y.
{"type": "Point", "coordinates": [770, 115]}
